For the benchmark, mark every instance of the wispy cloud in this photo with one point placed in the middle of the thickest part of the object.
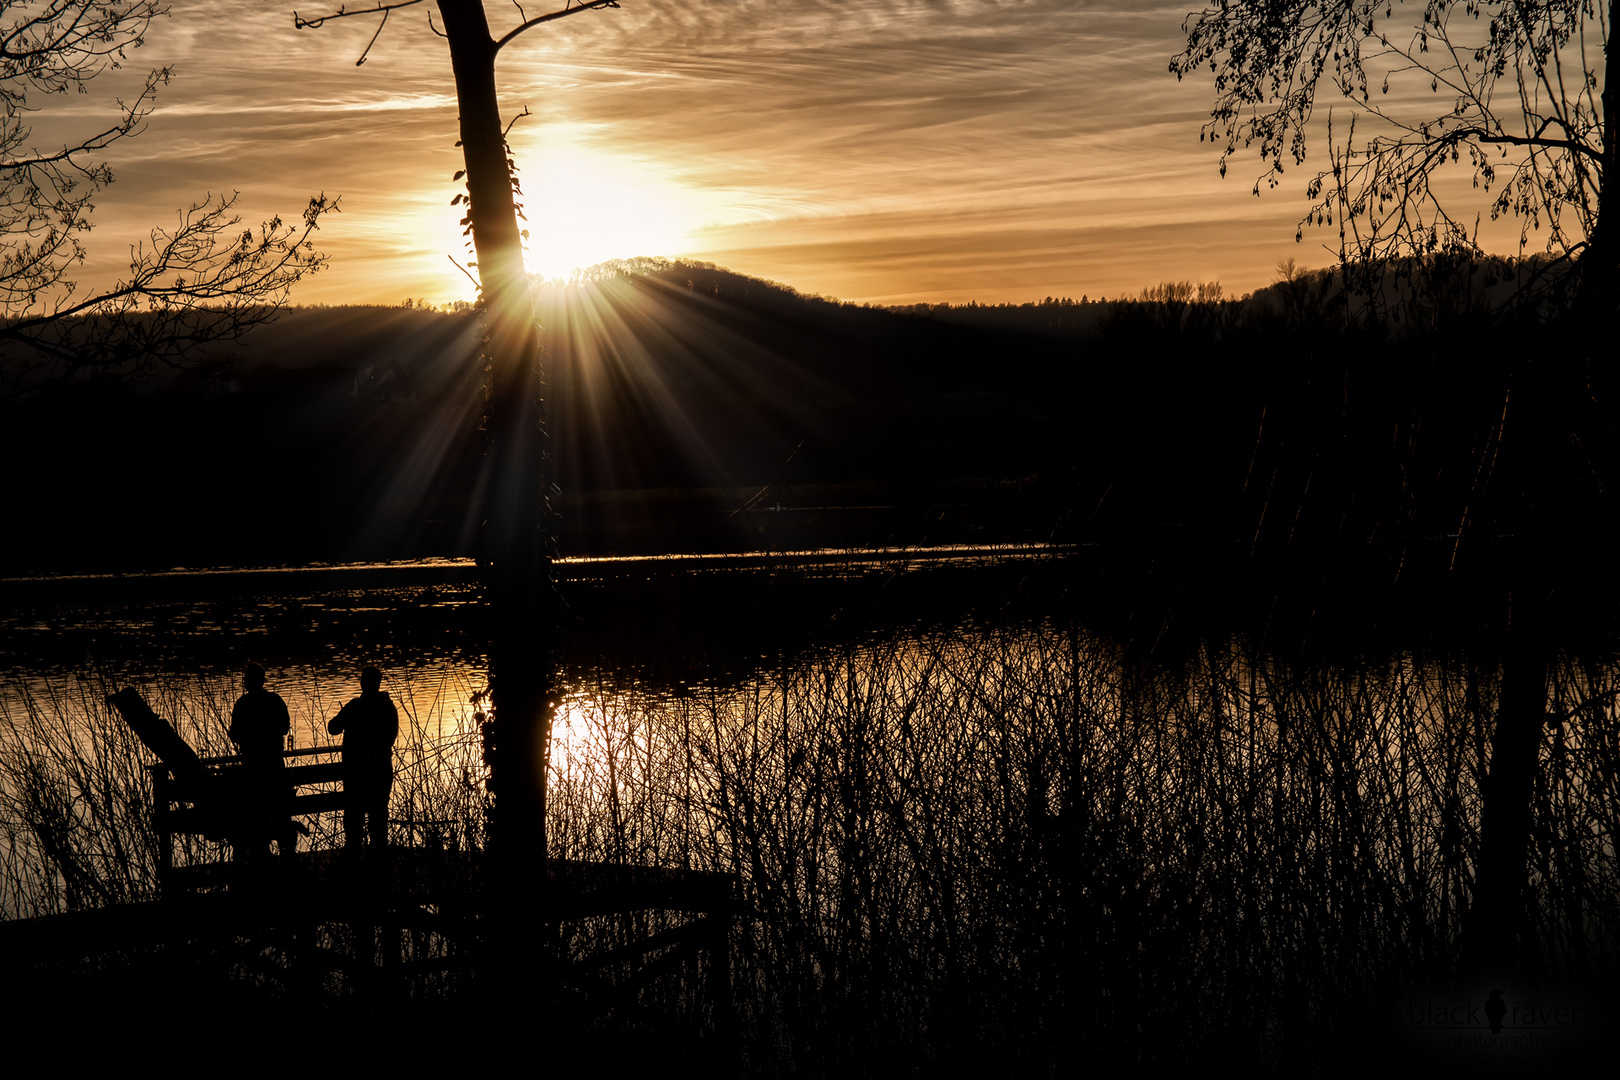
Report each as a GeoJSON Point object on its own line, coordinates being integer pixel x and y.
{"type": "Point", "coordinates": [911, 149]}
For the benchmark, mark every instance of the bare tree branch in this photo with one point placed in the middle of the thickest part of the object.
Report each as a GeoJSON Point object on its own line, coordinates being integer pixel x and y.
{"type": "Point", "coordinates": [316, 22]}
{"type": "Point", "coordinates": [588, 5]}
{"type": "Point", "coordinates": [203, 281]}
{"type": "Point", "coordinates": [300, 23]}
{"type": "Point", "coordinates": [1537, 141]}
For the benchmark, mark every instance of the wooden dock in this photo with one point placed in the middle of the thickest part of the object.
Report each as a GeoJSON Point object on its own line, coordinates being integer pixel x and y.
{"type": "Point", "coordinates": [335, 929]}
{"type": "Point", "coordinates": [396, 931]}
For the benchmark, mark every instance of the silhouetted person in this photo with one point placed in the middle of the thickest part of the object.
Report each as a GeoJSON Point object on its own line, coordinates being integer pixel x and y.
{"type": "Point", "coordinates": [1495, 1010]}
{"type": "Point", "coordinates": [259, 725]}
{"type": "Point", "coordinates": [369, 725]}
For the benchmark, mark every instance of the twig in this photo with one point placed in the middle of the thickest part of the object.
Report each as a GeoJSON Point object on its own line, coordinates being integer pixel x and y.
{"type": "Point", "coordinates": [463, 269]}
{"type": "Point", "coordinates": [589, 5]}
{"type": "Point", "coordinates": [300, 23]}
{"type": "Point", "coordinates": [514, 120]}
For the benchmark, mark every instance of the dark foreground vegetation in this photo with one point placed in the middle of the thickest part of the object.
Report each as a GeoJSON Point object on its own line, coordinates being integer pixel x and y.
{"type": "Point", "coordinates": [1004, 845]}
{"type": "Point", "coordinates": [974, 835]}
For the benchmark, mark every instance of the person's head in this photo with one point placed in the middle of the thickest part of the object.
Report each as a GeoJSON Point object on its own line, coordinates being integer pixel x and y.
{"type": "Point", "coordinates": [370, 680]}
{"type": "Point", "coordinates": [253, 677]}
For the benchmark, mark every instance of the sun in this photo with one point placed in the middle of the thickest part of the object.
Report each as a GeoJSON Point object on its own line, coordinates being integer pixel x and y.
{"type": "Point", "coordinates": [582, 205]}
{"type": "Point", "coordinates": [585, 206]}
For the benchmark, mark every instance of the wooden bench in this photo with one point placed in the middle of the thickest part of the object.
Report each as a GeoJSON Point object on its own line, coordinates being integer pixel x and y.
{"type": "Point", "coordinates": [210, 797]}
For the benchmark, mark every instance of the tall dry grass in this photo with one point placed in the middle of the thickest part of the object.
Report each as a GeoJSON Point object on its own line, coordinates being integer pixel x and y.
{"type": "Point", "coordinates": [76, 797]}
{"type": "Point", "coordinates": [1003, 850]}
{"type": "Point", "coordinates": [1013, 850]}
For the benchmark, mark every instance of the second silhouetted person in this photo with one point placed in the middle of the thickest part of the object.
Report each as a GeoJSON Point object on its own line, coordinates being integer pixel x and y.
{"type": "Point", "coordinates": [259, 722]}
{"type": "Point", "coordinates": [369, 725]}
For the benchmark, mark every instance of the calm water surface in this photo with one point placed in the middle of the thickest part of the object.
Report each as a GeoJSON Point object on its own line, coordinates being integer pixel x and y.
{"type": "Point", "coordinates": [187, 633]}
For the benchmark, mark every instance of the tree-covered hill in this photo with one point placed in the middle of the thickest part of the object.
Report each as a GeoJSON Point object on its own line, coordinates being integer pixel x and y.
{"type": "Point", "coordinates": [1293, 432]}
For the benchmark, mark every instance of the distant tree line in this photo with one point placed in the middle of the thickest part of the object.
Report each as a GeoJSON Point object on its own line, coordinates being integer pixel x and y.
{"type": "Point", "coordinates": [1402, 296]}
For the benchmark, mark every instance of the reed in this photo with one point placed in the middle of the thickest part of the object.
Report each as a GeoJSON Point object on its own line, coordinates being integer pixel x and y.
{"type": "Point", "coordinates": [75, 794]}
{"type": "Point", "coordinates": [74, 798]}
{"type": "Point", "coordinates": [990, 849]}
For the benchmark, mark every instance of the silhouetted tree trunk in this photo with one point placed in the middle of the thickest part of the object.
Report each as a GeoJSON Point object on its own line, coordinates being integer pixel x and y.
{"type": "Point", "coordinates": [1534, 515]}
{"type": "Point", "coordinates": [1600, 260]}
{"type": "Point", "coordinates": [1496, 921]}
{"type": "Point", "coordinates": [517, 529]}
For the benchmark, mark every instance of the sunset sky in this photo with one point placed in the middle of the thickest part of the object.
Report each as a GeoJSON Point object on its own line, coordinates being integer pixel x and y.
{"type": "Point", "coordinates": [891, 152]}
